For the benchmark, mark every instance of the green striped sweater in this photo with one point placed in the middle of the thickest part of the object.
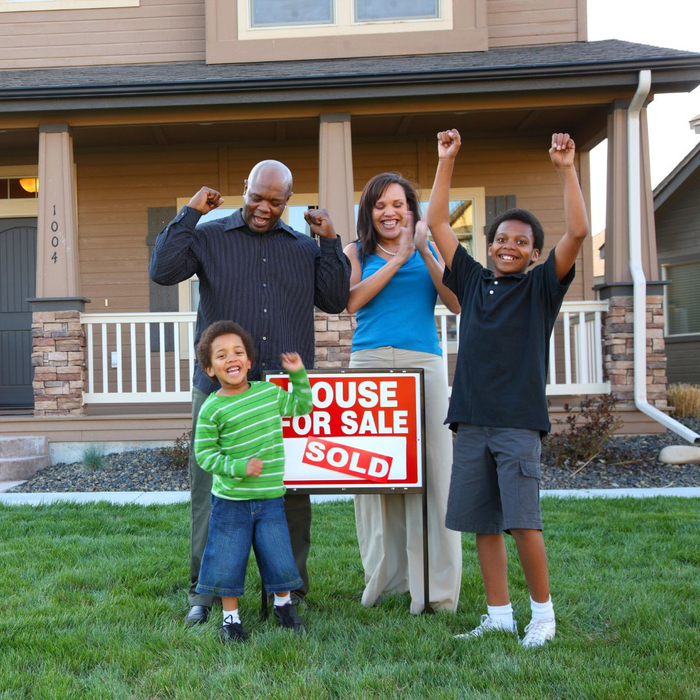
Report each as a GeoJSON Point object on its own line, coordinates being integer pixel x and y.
{"type": "Point", "coordinates": [233, 429]}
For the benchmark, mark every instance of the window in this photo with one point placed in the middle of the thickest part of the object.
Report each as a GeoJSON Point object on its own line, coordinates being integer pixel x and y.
{"type": "Point", "coordinates": [275, 19]}
{"type": "Point", "coordinates": [19, 187]}
{"type": "Point", "coordinates": [373, 10]}
{"type": "Point", "coordinates": [19, 190]}
{"type": "Point", "coordinates": [467, 209]}
{"type": "Point", "coordinates": [287, 13]}
{"type": "Point", "coordinates": [682, 298]}
{"type": "Point", "coordinates": [41, 5]}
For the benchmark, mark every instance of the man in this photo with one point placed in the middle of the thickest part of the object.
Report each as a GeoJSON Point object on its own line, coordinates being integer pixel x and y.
{"type": "Point", "coordinates": [257, 271]}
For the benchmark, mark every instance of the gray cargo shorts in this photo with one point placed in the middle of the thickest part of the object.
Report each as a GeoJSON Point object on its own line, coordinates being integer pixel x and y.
{"type": "Point", "coordinates": [495, 484]}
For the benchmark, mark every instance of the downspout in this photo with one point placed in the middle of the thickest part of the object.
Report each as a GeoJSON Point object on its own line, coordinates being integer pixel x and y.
{"type": "Point", "coordinates": [636, 270]}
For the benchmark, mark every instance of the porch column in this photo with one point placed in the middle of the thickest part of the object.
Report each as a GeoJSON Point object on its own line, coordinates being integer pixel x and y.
{"type": "Point", "coordinates": [336, 189]}
{"type": "Point", "coordinates": [57, 235]}
{"type": "Point", "coordinates": [618, 352]}
{"type": "Point", "coordinates": [335, 177]}
{"type": "Point", "coordinates": [58, 339]}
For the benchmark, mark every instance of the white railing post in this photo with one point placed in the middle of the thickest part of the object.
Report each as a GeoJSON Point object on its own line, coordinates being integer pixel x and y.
{"type": "Point", "coordinates": [170, 389]}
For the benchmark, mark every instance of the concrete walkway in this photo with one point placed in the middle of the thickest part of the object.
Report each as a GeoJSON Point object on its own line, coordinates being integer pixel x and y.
{"type": "Point", "coordinates": [147, 498]}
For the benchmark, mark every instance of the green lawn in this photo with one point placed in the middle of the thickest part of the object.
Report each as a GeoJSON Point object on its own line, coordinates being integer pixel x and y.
{"type": "Point", "coordinates": [93, 604]}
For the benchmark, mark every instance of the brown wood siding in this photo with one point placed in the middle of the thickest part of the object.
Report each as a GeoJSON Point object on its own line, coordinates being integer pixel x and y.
{"type": "Point", "coordinates": [678, 223]}
{"type": "Point", "coordinates": [527, 22]}
{"type": "Point", "coordinates": [158, 31]}
{"type": "Point", "coordinates": [677, 240]}
{"type": "Point", "coordinates": [116, 188]}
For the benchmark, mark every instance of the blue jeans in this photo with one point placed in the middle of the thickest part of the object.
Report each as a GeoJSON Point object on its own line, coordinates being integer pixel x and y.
{"type": "Point", "coordinates": [233, 527]}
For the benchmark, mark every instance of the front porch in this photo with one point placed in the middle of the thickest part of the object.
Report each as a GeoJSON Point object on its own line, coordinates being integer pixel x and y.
{"type": "Point", "coordinates": [130, 376]}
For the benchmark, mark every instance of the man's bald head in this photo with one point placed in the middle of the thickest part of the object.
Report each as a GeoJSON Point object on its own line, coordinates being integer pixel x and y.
{"type": "Point", "coordinates": [267, 191]}
{"type": "Point", "coordinates": [274, 169]}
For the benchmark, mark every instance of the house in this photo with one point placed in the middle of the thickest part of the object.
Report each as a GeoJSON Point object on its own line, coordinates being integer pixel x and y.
{"type": "Point", "coordinates": [122, 109]}
{"type": "Point", "coordinates": [677, 214]}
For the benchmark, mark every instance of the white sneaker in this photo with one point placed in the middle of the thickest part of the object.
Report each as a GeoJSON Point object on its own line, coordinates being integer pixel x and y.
{"type": "Point", "coordinates": [488, 624]}
{"type": "Point", "coordinates": [537, 633]}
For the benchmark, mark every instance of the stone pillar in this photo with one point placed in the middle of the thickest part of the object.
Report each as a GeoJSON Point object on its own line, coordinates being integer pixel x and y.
{"type": "Point", "coordinates": [618, 351]}
{"type": "Point", "coordinates": [335, 176]}
{"type": "Point", "coordinates": [333, 339]}
{"type": "Point", "coordinates": [58, 357]}
{"type": "Point", "coordinates": [57, 265]}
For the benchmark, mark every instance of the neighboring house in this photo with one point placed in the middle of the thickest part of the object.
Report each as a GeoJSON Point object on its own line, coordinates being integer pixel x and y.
{"type": "Point", "coordinates": [677, 213]}
{"type": "Point", "coordinates": [123, 108]}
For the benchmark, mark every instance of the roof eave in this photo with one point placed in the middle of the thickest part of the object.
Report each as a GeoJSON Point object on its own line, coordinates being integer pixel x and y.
{"type": "Point", "coordinates": [668, 74]}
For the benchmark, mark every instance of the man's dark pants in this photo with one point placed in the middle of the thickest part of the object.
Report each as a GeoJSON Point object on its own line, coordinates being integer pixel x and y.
{"type": "Point", "coordinates": [297, 508]}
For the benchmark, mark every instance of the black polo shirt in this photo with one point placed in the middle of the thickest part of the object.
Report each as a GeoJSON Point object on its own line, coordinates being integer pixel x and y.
{"type": "Point", "coordinates": [267, 282]}
{"type": "Point", "coordinates": [504, 333]}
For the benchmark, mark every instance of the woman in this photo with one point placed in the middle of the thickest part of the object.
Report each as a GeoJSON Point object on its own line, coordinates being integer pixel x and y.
{"type": "Point", "coordinates": [395, 280]}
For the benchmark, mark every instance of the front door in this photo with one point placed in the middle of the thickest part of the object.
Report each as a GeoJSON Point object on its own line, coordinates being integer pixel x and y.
{"type": "Point", "coordinates": [17, 284]}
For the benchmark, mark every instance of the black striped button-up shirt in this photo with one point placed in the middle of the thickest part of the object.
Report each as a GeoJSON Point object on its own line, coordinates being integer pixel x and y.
{"type": "Point", "coordinates": [267, 282]}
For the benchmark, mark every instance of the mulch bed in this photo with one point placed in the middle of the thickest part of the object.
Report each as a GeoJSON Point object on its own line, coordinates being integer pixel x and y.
{"type": "Point", "coordinates": [625, 462]}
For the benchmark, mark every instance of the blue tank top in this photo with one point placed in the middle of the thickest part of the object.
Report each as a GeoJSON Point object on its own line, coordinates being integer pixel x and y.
{"type": "Point", "coordinates": [402, 315]}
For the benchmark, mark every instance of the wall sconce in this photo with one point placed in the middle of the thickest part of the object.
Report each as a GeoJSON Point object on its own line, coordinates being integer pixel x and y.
{"type": "Point", "coordinates": [29, 184]}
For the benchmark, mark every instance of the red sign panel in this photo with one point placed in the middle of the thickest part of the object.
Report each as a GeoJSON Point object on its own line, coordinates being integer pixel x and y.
{"type": "Point", "coordinates": [365, 431]}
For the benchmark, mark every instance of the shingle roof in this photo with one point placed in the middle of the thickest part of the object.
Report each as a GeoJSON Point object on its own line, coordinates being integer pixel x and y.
{"type": "Point", "coordinates": [576, 57]}
{"type": "Point", "coordinates": [687, 166]}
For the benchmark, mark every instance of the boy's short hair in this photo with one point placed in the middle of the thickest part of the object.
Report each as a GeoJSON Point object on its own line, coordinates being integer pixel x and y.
{"type": "Point", "coordinates": [527, 217]}
{"type": "Point", "coordinates": [216, 329]}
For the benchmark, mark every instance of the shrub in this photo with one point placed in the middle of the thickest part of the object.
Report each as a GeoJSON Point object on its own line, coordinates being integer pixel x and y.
{"type": "Point", "coordinates": [92, 458]}
{"type": "Point", "coordinates": [685, 399]}
{"type": "Point", "coordinates": [587, 430]}
{"type": "Point", "coordinates": [179, 453]}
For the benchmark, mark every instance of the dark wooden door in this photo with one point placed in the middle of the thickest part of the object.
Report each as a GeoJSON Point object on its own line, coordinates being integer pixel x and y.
{"type": "Point", "coordinates": [17, 284]}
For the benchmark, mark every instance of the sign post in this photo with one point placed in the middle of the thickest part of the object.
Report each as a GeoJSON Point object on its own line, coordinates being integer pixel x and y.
{"type": "Point", "coordinates": [365, 434]}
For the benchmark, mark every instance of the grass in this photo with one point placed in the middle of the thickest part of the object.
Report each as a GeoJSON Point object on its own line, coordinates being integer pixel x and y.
{"type": "Point", "coordinates": [93, 607]}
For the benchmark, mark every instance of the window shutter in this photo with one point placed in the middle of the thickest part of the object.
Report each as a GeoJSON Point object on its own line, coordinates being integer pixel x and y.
{"type": "Point", "coordinates": [161, 298]}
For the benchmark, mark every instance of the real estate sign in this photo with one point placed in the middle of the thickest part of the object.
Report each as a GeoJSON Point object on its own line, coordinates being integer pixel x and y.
{"type": "Point", "coordinates": [365, 432]}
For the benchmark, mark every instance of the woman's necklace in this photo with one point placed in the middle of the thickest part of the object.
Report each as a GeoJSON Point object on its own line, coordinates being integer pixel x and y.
{"type": "Point", "coordinates": [388, 252]}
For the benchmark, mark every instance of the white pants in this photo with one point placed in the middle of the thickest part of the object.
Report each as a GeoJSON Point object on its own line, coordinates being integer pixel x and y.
{"type": "Point", "coordinates": [390, 527]}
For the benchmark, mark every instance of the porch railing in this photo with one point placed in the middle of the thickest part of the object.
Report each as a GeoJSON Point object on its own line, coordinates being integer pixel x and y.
{"type": "Point", "coordinates": [575, 348]}
{"type": "Point", "coordinates": [148, 357]}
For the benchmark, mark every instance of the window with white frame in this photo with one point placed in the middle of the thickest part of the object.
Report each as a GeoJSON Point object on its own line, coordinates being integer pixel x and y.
{"type": "Point", "coordinates": [261, 19]}
{"type": "Point", "coordinates": [682, 298]}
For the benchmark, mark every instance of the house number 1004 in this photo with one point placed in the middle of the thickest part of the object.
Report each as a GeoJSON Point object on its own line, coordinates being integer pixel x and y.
{"type": "Point", "coordinates": [54, 239]}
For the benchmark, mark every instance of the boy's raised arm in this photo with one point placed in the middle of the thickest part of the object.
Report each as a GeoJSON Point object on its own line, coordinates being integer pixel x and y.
{"type": "Point", "coordinates": [438, 216]}
{"type": "Point", "coordinates": [562, 153]}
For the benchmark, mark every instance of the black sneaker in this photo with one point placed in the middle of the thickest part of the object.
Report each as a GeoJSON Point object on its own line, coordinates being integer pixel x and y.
{"type": "Point", "coordinates": [288, 616]}
{"type": "Point", "coordinates": [233, 633]}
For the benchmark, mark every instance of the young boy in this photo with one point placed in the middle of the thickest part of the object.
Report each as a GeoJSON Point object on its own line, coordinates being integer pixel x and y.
{"type": "Point", "coordinates": [498, 406]}
{"type": "Point", "coordinates": [239, 441]}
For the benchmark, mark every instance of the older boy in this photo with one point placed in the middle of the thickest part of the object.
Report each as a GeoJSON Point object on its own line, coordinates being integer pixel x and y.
{"type": "Point", "coordinates": [498, 406]}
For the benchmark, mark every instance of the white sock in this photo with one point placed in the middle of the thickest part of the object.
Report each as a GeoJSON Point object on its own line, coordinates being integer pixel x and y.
{"type": "Point", "coordinates": [231, 617]}
{"type": "Point", "coordinates": [281, 600]}
{"type": "Point", "coordinates": [501, 614]}
{"type": "Point", "coordinates": [542, 611]}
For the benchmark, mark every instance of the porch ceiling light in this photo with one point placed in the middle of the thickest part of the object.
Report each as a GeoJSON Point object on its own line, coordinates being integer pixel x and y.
{"type": "Point", "coordinates": [29, 184]}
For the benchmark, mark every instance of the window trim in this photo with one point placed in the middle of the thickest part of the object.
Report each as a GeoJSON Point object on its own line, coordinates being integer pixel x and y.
{"type": "Point", "coordinates": [52, 5]}
{"type": "Point", "coordinates": [664, 276]}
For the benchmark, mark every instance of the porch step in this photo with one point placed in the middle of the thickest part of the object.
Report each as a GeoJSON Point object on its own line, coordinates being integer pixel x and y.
{"type": "Point", "coordinates": [21, 457]}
